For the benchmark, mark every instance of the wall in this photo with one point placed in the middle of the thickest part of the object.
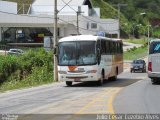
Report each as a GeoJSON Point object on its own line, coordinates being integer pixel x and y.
{"type": "Point", "coordinates": [9, 7]}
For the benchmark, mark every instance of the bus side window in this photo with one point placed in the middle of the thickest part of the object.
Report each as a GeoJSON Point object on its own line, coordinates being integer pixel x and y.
{"type": "Point", "coordinates": [99, 45]}
{"type": "Point", "coordinates": [121, 47]}
{"type": "Point", "coordinates": [103, 47]}
{"type": "Point", "coordinates": [110, 47]}
{"type": "Point", "coordinates": [107, 47]}
{"type": "Point", "coordinates": [113, 47]}
{"type": "Point", "coordinates": [118, 48]}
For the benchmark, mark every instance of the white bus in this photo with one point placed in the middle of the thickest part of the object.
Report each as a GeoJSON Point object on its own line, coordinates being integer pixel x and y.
{"type": "Point", "coordinates": [154, 60]}
{"type": "Point", "coordinates": [89, 58]}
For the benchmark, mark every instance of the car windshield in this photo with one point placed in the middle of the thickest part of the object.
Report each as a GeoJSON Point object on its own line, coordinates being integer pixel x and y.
{"type": "Point", "coordinates": [138, 62]}
{"type": "Point", "coordinates": [154, 47]}
{"type": "Point", "coordinates": [77, 53]}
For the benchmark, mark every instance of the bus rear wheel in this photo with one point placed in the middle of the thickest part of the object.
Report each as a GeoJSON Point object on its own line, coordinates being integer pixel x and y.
{"type": "Point", "coordinates": [68, 83]}
{"type": "Point", "coordinates": [114, 78]}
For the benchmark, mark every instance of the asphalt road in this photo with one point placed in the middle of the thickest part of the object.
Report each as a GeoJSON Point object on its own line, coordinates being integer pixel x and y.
{"type": "Point", "coordinates": [131, 93]}
{"type": "Point", "coordinates": [140, 97]}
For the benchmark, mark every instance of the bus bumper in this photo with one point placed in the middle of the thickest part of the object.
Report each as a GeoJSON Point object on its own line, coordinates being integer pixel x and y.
{"type": "Point", "coordinates": [78, 78]}
{"type": "Point", "coordinates": [154, 74]}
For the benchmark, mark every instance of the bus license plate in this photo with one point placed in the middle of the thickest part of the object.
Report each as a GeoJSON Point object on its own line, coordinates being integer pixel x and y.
{"type": "Point", "coordinates": [77, 79]}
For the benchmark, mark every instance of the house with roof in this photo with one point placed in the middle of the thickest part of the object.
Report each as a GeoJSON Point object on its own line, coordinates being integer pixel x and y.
{"type": "Point", "coordinates": [74, 17]}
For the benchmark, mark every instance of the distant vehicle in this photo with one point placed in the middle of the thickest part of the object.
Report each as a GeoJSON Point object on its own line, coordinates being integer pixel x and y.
{"type": "Point", "coordinates": [138, 65]}
{"type": "Point", "coordinates": [15, 52]}
{"type": "Point", "coordinates": [154, 61]}
{"type": "Point", "coordinates": [89, 58]}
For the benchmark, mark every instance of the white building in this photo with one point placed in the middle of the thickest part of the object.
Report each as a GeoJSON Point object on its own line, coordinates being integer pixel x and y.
{"type": "Point", "coordinates": [89, 19]}
{"type": "Point", "coordinates": [41, 15]}
{"type": "Point", "coordinates": [7, 7]}
{"type": "Point", "coordinates": [10, 7]}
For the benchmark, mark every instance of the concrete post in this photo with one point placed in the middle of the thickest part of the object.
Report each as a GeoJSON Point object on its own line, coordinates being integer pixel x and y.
{"type": "Point", "coordinates": [55, 41]}
{"type": "Point", "coordinates": [0, 34]}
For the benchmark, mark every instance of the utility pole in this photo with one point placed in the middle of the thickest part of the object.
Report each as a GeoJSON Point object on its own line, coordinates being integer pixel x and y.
{"type": "Point", "coordinates": [55, 41]}
{"type": "Point", "coordinates": [78, 13]}
{"type": "Point", "coordinates": [119, 16]}
{"type": "Point", "coordinates": [0, 33]}
{"type": "Point", "coordinates": [148, 28]}
{"type": "Point", "coordinates": [148, 33]}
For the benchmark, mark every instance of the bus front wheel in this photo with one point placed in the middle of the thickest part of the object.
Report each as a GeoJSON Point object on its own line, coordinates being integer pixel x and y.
{"type": "Point", "coordinates": [100, 82]}
{"type": "Point", "coordinates": [68, 83]}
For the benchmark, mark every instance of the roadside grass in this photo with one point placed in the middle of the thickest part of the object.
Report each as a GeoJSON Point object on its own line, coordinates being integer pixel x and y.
{"type": "Point", "coordinates": [136, 41]}
{"type": "Point", "coordinates": [135, 53]}
{"type": "Point", "coordinates": [34, 68]}
{"type": "Point", "coordinates": [39, 76]}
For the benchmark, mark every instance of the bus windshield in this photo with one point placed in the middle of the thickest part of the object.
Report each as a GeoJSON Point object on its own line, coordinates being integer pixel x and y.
{"type": "Point", "coordinates": [77, 53]}
{"type": "Point", "coordinates": [154, 47]}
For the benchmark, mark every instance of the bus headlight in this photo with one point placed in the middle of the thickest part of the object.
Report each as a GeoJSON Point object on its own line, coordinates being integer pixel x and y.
{"type": "Point", "coordinates": [91, 71]}
{"type": "Point", "coordinates": [62, 72]}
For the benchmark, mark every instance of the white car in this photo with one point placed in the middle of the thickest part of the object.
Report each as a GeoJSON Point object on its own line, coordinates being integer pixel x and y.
{"type": "Point", "coordinates": [15, 52]}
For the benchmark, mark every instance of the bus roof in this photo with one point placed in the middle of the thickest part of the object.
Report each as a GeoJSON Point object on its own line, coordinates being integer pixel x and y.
{"type": "Point", "coordinates": [154, 40]}
{"type": "Point", "coordinates": [86, 38]}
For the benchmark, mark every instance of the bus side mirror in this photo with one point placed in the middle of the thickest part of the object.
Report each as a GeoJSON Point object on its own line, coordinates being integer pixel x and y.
{"type": "Point", "coordinates": [55, 51]}
{"type": "Point", "coordinates": [98, 56]}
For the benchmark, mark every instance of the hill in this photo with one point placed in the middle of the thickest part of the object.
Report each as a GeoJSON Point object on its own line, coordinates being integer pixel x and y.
{"type": "Point", "coordinates": [133, 12]}
{"type": "Point", "coordinates": [134, 7]}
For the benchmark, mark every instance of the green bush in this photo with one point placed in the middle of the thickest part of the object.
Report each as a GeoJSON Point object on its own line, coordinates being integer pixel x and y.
{"type": "Point", "coordinates": [33, 68]}
{"type": "Point", "coordinates": [8, 65]}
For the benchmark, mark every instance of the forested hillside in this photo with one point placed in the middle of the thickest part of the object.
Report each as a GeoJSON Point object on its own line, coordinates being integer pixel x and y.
{"type": "Point", "coordinates": [133, 12]}
{"type": "Point", "coordinates": [134, 7]}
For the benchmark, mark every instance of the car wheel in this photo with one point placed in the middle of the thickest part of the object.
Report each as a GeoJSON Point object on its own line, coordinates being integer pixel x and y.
{"type": "Point", "coordinates": [154, 81]}
{"type": "Point", "coordinates": [68, 83]}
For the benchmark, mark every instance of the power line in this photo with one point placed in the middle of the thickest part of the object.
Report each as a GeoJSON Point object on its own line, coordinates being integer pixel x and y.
{"type": "Point", "coordinates": [66, 4]}
{"type": "Point", "coordinates": [69, 5]}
